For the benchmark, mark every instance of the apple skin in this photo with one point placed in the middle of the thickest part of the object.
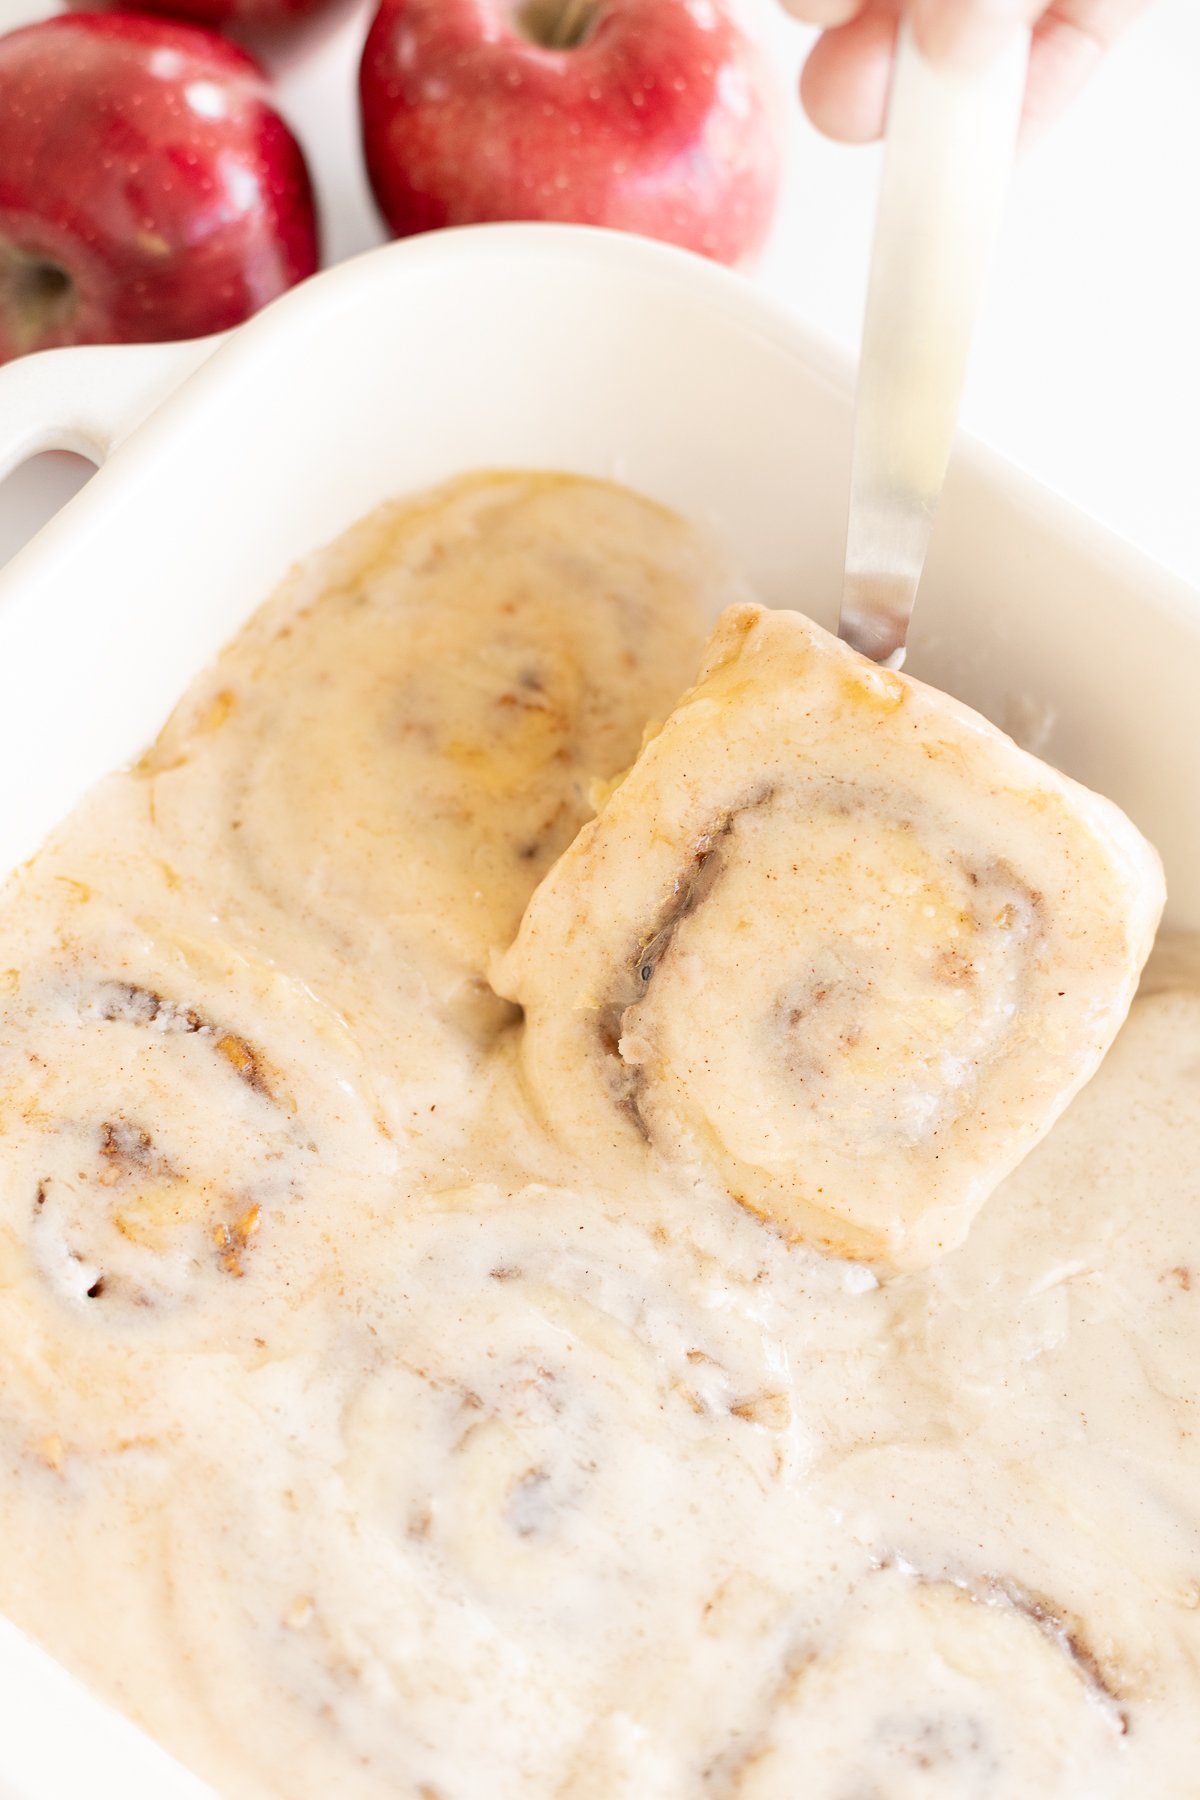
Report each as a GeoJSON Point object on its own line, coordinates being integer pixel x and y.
{"type": "Point", "coordinates": [237, 15]}
{"type": "Point", "coordinates": [148, 188]}
{"type": "Point", "coordinates": [660, 120]}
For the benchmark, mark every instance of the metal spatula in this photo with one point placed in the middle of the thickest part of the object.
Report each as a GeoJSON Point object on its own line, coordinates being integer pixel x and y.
{"type": "Point", "coordinates": [950, 142]}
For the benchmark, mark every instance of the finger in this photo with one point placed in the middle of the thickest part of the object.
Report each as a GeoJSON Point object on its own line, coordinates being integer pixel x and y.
{"type": "Point", "coordinates": [824, 12]}
{"type": "Point", "coordinates": [969, 34]}
{"type": "Point", "coordinates": [844, 84]}
{"type": "Point", "coordinates": [1069, 43]}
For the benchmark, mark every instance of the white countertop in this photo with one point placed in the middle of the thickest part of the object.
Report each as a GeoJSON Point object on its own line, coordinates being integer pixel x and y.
{"type": "Point", "coordinates": [1087, 361]}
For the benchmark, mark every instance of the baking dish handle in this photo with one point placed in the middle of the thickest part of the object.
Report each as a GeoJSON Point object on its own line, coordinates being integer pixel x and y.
{"type": "Point", "coordinates": [90, 397]}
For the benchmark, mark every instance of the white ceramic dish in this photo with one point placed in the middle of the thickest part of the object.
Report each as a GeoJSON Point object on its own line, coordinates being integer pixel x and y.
{"type": "Point", "coordinates": [535, 346]}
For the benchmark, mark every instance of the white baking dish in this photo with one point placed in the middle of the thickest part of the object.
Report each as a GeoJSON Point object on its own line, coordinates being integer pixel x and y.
{"type": "Point", "coordinates": [515, 345]}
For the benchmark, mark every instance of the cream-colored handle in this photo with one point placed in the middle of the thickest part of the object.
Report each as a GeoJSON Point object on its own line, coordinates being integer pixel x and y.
{"type": "Point", "coordinates": [950, 142]}
{"type": "Point", "coordinates": [90, 397]}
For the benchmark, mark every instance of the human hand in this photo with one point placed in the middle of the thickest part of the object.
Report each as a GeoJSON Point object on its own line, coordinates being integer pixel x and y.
{"type": "Point", "coordinates": [845, 81]}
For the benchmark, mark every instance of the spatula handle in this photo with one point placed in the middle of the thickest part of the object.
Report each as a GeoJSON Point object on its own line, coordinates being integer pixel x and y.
{"type": "Point", "coordinates": [950, 142]}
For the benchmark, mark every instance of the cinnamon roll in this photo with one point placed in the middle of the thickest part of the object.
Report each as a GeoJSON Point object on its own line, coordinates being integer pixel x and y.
{"type": "Point", "coordinates": [835, 942]}
{"type": "Point", "coordinates": [501, 1477]}
{"type": "Point", "coordinates": [952, 1692]}
{"type": "Point", "coordinates": [169, 1108]}
{"type": "Point", "coordinates": [429, 734]}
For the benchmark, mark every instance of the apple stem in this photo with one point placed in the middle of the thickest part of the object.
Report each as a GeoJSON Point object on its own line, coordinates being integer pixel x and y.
{"type": "Point", "coordinates": [37, 293]}
{"type": "Point", "coordinates": [571, 27]}
{"type": "Point", "coordinates": [558, 24]}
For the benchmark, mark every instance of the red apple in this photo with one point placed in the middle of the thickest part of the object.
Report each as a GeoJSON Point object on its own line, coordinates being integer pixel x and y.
{"type": "Point", "coordinates": [649, 115]}
{"type": "Point", "coordinates": [236, 14]}
{"type": "Point", "coordinates": [148, 188]}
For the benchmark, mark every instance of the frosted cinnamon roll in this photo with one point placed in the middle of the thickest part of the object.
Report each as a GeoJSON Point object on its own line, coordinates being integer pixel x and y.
{"type": "Point", "coordinates": [932, 1691]}
{"type": "Point", "coordinates": [407, 756]}
{"type": "Point", "coordinates": [836, 942]}
{"type": "Point", "coordinates": [169, 1108]}
{"type": "Point", "coordinates": [523, 1483]}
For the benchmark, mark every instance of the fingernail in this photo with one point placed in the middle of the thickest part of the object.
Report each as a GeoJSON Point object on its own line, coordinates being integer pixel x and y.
{"type": "Point", "coordinates": [825, 13]}
{"type": "Point", "coordinates": [966, 34]}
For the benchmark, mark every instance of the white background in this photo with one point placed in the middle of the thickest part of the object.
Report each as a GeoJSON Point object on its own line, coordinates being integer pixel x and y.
{"type": "Point", "coordinates": [1087, 361]}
